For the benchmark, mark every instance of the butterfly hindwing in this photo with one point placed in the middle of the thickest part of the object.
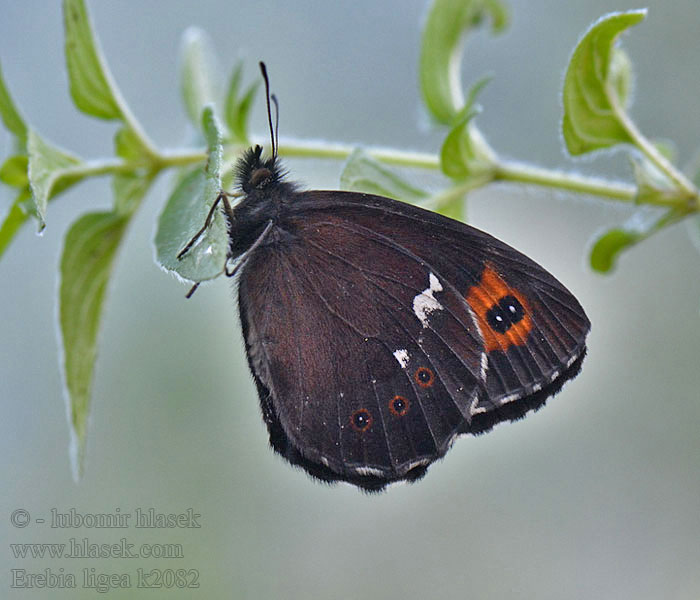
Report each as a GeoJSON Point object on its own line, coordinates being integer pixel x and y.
{"type": "Point", "coordinates": [347, 370]}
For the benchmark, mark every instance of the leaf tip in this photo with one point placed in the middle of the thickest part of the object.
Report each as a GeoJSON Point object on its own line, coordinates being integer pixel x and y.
{"type": "Point", "coordinates": [76, 452]}
{"type": "Point", "coordinates": [608, 246]}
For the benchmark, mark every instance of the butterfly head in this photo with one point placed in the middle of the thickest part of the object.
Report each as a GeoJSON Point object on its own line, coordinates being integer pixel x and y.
{"type": "Point", "coordinates": [253, 172]}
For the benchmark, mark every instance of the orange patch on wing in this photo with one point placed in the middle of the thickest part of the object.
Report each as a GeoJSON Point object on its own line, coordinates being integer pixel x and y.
{"type": "Point", "coordinates": [484, 297]}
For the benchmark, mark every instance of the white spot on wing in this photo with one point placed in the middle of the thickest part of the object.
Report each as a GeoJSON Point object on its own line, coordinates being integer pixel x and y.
{"type": "Point", "coordinates": [422, 462]}
{"type": "Point", "coordinates": [369, 471]}
{"type": "Point", "coordinates": [572, 360]}
{"type": "Point", "coordinates": [425, 302]}
{"type": "Point", "coordinates": [484, 365]}
{"type": "Point", "coordinates": [510, 398]}
{"type": "Point", "coordinates": [402, 356]}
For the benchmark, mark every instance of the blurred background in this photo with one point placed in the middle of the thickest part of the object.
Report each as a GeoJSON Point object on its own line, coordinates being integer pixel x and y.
{"type": "Point", "coordinates": [595, 496]}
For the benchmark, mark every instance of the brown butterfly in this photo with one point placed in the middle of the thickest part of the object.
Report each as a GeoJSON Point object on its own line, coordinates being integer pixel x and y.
{"type": "Point", "coordinates": [377, 332]}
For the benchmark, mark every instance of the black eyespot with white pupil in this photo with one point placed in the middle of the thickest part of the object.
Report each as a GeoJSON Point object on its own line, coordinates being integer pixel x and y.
{"type": "Point", "coordinates": [505, 313]}
{"type": "Point", "coordinates": [361, 420]}
{"type": "Point", "coordinates": [424, 377]}
{"type": "Point", "coordinates": [399, 406]}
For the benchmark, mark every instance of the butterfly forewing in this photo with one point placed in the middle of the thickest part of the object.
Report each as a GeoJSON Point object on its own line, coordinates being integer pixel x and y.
{"type": "Point", "coordinates": [499, 284]}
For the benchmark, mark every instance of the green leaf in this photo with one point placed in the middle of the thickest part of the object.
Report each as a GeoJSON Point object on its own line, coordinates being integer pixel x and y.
{"type": "Point", "coordinates": [608, 246]}
{"type": "Point", "coordinates": [86, 264]}
{"type": "Point", "coordinates": [49, 172]}
{"type": "Point", "coordinates": [10, 115]}
{"type": "Point", "coordinates": [362, 173]}
{"type": "Point", "coordinates": [465, 153]}
{"type": "Point", "coordinates": [14, 219]}
{"type": "Point", "coordinates": [91, 84]}
{"type": "Point", "coordinates": [653, 187]}
{"type": "Point", "coordinates": [215, 151]}
{"type": "Point", "coordinates": [14, 171]}
{"type": "Point", "coordinates": [441, 51]}
{"type": "Point", "coordinates": [596, 87]}
{"type": "Point", "coordinates": [237, 108]}
{"type": "Point", "coordinates": [499, 14]}
{"type": "Point", "coordinates": [186, 212]}
{"type": "Point", "coordinates": [642, 224]}
{"type": "Point", "coordinates": [452, 203]}
{"type": "Point", "coordinates": [129, 146]}
{"type": "Point", "coordinates": [621, 76]}
{"type": "Point", "coordinates": [128, 190]}
{"type": "Point", "coordinates": [198, 73]}
{"type": "Point", "coordinates": [211, 126]}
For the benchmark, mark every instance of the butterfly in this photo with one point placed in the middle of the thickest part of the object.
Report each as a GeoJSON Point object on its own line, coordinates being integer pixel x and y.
{"type": "Point", "coordinates": [377, 332]}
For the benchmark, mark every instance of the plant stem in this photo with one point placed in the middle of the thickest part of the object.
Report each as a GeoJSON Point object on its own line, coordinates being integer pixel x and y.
{"type": "Point", "coordinates": [303, 148]}
{"type": "Point", "coordinates": [523, 173]}
{"type": "Point", "coordinates": [656, 158]}
{"type": "Point", "coordinates": [503, 171]}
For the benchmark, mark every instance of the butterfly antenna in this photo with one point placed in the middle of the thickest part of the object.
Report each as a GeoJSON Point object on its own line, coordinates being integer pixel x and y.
{"type": "Point", "coordinates": [277, 123]}
{"type": "Point", "coordinates": [263, 70]}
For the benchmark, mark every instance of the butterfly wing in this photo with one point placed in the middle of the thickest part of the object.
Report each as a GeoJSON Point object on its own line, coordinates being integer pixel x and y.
{"type": "Point", "coordinates": [388, 330]}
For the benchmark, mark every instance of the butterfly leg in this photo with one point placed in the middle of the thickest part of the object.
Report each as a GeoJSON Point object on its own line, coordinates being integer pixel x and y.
{"type": "Point", "coordinates": [199, 234]}
{"type": "Point", "coordinates": [247, 253]}
{"type": "Point", "coordinates": [222, 197]}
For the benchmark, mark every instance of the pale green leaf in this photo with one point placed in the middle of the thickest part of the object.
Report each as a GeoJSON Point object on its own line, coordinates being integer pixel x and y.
{"type": "Point", "coordinates": [452, 203]}
{"type": "Point", "coordinates": [621, 76]}
{"type": "Point", "coordinates": [186, 212]}
{"type": "Point", "coordinates": [643, 223]}
{"type": "Point", "coordinates": [213, 134]}
{"type": "Point", "coordinates": [498, 11]}
{"type": "Point", "coordinates": [86, 263]}
{"type": "Point", "coordinates": [129, 146]}
{"type": "Point", "coordinates": [232, 92]}
{"type": "Point", "coordinates": [10, 115]}
{"type": "Point", "coordinates": [607, 247]}
{"type": "Point", "coordinates": [14, 171]}
{"type": "Point", "coordinates": [91, 84]}
{"type": "Point", "coordinates": [364, 174]}
{"type": "Point", "coordinates": [49, 172]}
{"type": "Point", "coordinates": [454, 210]}
{"type": "Point", "coordinates": [237, 107]}
{"type": "Point", "coordinates": [128, 190]}
{"type": "Point", "coordinates": [667, 149]}
{"type": "Point", "coordinates": [198, 73]}
{"type": "Point", "coordinates": [13, 220]}
{"type": "Point", "coordinates": [441, 50]}
{"type": "Point", "coordinates": [653, 186]}
{"type": "Point", "coordinates": [465, 152]}
{"type": "Point", "coordinates": [596, 87]}
{"type": "Point", "coordinates": [183, 215]}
